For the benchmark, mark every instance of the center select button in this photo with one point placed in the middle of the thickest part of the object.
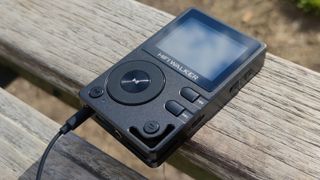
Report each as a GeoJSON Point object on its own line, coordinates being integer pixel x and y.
{"type": "Point", "coordinates": [135, 81]}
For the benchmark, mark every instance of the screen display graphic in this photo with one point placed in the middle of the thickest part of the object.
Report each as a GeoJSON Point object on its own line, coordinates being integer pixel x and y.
{"type": "Point", "coordinates": [201, 48]}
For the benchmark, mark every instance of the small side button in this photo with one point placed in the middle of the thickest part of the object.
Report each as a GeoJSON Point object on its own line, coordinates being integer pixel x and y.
{"type": "Point", "coordinates": [174, 107]}
{"type": "Point", "coordinates": [189, 94]}
{"type": "Point", "coordinates": [249, 75]}
{"type": "Point", "coordinates": [200, 102]}
{"type": "Point", "coordinates": [117, 134]}
{"type": "Point", "coordinates": [235, 88]}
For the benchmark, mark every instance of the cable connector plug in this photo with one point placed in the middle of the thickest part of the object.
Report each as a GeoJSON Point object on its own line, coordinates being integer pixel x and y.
{"type": "Point", "coordinates": [72, 123]}
{"type": "Point", "coordinates": [77, 119]}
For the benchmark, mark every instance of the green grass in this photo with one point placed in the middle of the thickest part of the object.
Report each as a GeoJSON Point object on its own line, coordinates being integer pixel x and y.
{"type": "Point", "coordinates": [309, 6]}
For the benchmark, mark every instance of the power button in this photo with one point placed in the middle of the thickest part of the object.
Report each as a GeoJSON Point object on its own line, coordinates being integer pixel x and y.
{"type": "Point", "coordinates": [151, 127]}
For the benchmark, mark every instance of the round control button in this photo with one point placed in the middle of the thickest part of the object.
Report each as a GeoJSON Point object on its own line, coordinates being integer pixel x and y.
{"type": "Point", "coordinates": [135, 81]}
{"type": "Point", "coordinates": [96, 92]}
{"type": "Point", "coordinates": [151, 127]}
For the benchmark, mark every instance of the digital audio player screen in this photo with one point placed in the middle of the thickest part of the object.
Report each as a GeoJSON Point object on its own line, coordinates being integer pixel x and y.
{"type": "Point", "coordinates": [201, 48]}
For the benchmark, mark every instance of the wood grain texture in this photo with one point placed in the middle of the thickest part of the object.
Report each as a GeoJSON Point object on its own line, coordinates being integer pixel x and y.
{"type": "Point", "coordinates": [270, 130]}
{"type": "Point", "coordinates": [25, 133]}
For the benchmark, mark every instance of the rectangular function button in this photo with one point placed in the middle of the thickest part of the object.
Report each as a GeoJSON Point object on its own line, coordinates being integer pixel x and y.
{"type": "Point", "coordinates": [174, 107]}
{"type": "Point", "coordinates": [189, 94]}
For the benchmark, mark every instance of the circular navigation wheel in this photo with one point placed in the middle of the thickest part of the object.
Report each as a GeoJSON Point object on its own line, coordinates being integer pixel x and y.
{"type": "Point", "coordinates": [135, 82]}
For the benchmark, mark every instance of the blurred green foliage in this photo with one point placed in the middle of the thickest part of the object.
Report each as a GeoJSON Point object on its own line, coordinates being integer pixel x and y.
{"type": "Point", "coordinates": [309, 6]}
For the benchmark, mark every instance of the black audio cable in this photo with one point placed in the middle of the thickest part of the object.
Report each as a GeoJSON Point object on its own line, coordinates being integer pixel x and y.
{"type": "Point", "coordinates": [72, 123]}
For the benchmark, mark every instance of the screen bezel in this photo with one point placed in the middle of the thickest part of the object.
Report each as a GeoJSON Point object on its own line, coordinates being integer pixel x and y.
{"type": "Point", "coordinates": [251, 44]}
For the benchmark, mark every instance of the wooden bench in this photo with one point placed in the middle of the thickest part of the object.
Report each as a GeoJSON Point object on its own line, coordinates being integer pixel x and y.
{"type": "Point", "coordinates": [270, 130]}
{"type": "Point", "coordinates": [25, 133]}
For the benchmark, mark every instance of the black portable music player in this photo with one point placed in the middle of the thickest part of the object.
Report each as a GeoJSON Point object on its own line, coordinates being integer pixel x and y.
{"type": "Point", "coordinates": [161, 93]}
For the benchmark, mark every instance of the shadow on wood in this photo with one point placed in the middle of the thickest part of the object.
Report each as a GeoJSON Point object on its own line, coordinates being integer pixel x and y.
{"type": "Point", "coordinates": [6, 76]}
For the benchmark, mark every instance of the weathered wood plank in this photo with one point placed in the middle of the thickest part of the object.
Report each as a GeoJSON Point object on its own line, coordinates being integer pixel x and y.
{"type": "Point", "coordinates": [24, 134]}
{"type": "Point", "coordinates": [269, 130]}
